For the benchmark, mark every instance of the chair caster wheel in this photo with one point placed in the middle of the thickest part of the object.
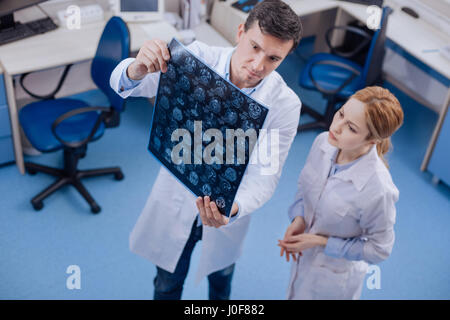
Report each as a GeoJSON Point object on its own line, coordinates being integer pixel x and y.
{"type": "Point", "coordinates": [31, 171]}
{"type": "Point", "coordinates": [37, 205]}
{"type": "Point", "coordinates": [118, 175]}
{"type": "Point", "coordinates": [95, 209]}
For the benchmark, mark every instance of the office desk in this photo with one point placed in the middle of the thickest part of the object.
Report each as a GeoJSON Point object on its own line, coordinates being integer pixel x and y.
{"type": "Point", "coordinates": [414, 36]}
{"type": "Point", "coordinates": [58, 48]}
{"type": "Point", "coordinates": [6, 144]}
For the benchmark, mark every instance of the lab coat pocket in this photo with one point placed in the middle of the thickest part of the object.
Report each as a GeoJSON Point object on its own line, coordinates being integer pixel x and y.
{"type": "Point", "coordinates": [328, 284]}
{"type": "Point", "coordinates": [338, 207]}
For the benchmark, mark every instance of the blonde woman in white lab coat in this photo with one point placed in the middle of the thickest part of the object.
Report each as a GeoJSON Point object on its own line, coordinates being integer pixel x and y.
{"type": "Point", "coordinates": [344, 211]}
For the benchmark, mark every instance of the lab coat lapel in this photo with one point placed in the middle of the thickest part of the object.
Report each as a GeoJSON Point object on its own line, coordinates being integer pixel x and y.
{"type": "Point", "coordinates": [329, 153]}
{"type": "Point", "coordinates": [326, 158]}
{"type": "Point", "coordinates": [359, 174]}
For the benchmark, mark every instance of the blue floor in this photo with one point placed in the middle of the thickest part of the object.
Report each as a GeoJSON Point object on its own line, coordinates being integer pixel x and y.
{"type": "Point", "coordinates": [37, 247]}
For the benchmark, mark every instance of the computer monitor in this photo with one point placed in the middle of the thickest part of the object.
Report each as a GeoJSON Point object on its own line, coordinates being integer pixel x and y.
{"type": "Point", "coordinates": [139, 10]}
{"type": "Point", "coordinates": [7, 8]}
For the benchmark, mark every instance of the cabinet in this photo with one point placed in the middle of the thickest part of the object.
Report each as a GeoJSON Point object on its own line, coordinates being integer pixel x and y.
{"type": "Point", "coordinates": [6, 143]}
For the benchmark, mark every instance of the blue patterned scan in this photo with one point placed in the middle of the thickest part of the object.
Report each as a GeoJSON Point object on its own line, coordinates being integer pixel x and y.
{"type": "Point", "coordinates": [190, 125]}
{"type": "Point", "coordinates": [177, 114]}
{"type": "Point", "coordinates": [166, 90]}
{"type": "Point", "coordinates": [164, 102]}
{"type": "Point", "coordinates": [230, 117]}
{"type": "Point", "coordinates": [193, 178]}
{"type": "Point", "coordinates": [191, 91]}
{"type": "Point", "coordinates": [206, 190]}
{"type": "Point", "coordinates": [168, 155]}
{"type": "Point", "coordinates": [221, 89]}
{"type": "Point", "coordinates": [161, 117]}
{"type": "Point", "coordinates": [157, 142]}
{"type": "Point", "coordinates": [184, 83]}
{"type": "Point", "coordinates": [220, 201]}
{"type": "Point", "coordinates": [254, 110]}
{"type": "Point", "coordinates": [225, 186]}
{"type": "Point", "coordinates": [159, 131]}
{"type": "Point", "coordinates": [205, 77]}
{"type": "Point", "coordinates": [216, 166]}
{"type": "Point", "coordinates": [189, 65]}
{"type": "Point", "coordinates": [181, 168]}
{"type": "Point", "coordinates": [196, 110]}
{"type": "Point", "coordinates": [171, 73]}
{"type": "Point", "coordinates": [237, 99]}
{"type": "Point", "coordinates": [210, 174]}
{"type": "Point", "coordinates": [230, 174]}
{"type": "Point", "coordinates": [173, 125]}
{"type": "Point", "coordinates": [247, 124]}
{"type": "Point", "coordinates": [199, 94]}
{"type": "Point", "coordinates": [210, 121]}
{"type": "Point", "coordinates": [214, 105]}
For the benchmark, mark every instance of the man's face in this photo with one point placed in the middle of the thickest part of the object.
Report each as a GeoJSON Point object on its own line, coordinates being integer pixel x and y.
{"type": "Point", "coordinates": [256, 56]}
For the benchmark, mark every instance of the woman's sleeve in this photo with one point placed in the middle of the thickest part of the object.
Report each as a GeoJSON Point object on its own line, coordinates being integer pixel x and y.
{"type": "Point", "coordinates": [376, 243]}
{"type": "Point", "coordinates": [296, 209]}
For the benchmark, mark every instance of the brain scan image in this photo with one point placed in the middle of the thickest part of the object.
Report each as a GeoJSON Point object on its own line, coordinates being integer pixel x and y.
{"type": "Point", "coordinates": [191, 91]}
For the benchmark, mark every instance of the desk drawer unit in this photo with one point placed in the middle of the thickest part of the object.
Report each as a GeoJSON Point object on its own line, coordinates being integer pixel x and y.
{"type": "Point", "coordinates": [6, 143]}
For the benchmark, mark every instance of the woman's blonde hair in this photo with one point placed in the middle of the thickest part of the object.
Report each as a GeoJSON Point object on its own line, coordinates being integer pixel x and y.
{"type": "Point", "coordinates": [384, 115]}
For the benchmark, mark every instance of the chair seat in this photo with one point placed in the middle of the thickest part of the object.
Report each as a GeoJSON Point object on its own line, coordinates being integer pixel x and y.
{"type": "Point", "coordinates": [331, 76]}
{"type": "Point", "coordinates": [36, 119]}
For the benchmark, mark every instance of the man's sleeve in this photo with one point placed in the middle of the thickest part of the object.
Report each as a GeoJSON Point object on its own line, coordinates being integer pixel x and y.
{"type": "Point", "coordinates": [147, 87]}
{"type": "Point", "coordinates": [261, 179]}
{"type": "Point", "coordinates": [125, 83]}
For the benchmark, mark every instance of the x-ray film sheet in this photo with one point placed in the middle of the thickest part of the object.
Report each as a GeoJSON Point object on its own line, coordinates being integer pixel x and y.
{"type": "Point", "coordinates": [195, 109]}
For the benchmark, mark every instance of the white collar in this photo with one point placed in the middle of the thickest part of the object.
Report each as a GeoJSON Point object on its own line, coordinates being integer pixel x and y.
{"type": "Point", "coordinates": [360, 172]}
{"type": "Point", "coordinates": [248, 91]}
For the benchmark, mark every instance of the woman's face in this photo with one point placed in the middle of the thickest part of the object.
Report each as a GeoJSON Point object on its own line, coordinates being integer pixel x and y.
{"type": "Point", "coordinates": [349, 130]}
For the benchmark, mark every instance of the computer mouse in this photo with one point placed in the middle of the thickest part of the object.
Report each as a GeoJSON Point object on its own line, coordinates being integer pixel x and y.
{"type": "Point", "coordinates": [410, 11]}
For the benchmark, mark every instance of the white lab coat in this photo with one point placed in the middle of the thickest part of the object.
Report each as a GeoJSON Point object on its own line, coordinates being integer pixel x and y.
{"type": "Point", "coordinates": [165, 223]}
{"type": "Point", "coordinates": [356, 202]}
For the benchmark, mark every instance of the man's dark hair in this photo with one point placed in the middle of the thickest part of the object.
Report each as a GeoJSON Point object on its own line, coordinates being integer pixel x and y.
{"type": "Point", "coordinates": [277, 19]}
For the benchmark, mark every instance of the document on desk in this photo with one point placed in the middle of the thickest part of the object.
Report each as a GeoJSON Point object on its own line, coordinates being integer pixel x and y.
{"type": "Point", "coordinates": [203, 128]}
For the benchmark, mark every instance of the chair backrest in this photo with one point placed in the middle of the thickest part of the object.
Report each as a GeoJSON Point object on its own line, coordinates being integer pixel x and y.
{"type": "Point", "coordinates": [113, 47]}
{"type": "Point", "coordinates": [375, 56]}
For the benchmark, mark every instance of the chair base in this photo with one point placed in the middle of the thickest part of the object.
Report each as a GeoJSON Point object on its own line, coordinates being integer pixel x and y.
{"type": "Point", "coordinates": [323, 121]}
{"type": "Point", "coordinates": [319, 124]}
{"type": "Point", "coordinates": [69, 175]}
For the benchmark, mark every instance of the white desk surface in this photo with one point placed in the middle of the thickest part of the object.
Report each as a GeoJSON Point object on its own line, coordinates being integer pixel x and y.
{"type": "Point", "coordinates": [413, 35]}
{"type": "Point", "coordinates": [62, 46]}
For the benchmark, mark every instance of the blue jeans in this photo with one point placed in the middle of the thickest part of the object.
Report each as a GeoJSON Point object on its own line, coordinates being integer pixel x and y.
{"type": "Point", "coordinates": [169, 286]}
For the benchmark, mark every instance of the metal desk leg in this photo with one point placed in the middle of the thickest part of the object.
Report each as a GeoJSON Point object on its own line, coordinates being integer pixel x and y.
{"type": "Point", "coordinates": [15, 126]}
{"type": "Point", "coordinates": [436, 131]}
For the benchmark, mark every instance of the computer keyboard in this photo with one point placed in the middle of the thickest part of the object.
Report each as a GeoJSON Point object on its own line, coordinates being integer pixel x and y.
{"type": "Point", "coordinates": [367, 2]}
{"type": "Point", "coordinates": [25, 30]}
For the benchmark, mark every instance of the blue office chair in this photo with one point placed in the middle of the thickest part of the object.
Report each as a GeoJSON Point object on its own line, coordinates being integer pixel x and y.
{"type": "Point", "coordinates": [69, 124]}
{"type": "Point", "coordinates": [337, 77]}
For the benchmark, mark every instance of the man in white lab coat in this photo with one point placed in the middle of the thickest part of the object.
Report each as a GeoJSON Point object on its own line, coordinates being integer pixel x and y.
{"type": "Point", "coordinates": [173, 220]}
